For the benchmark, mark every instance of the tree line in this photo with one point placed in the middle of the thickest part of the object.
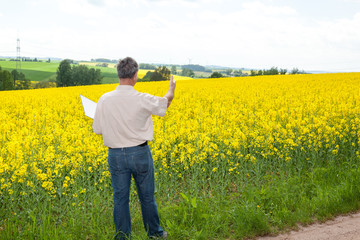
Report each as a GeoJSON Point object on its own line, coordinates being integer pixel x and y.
{"type": "Point", "coordinates": [13, 80]}
{"type": "Point", "coordinates": [163, 73]}
{"type": "Point", "coordinates": [101, 60]}
{"type": "Point", "coordinates": [27, 59]}
{"type": "Point", "coordinates": [275, 71]}
{"type": "Point", "coordinates": [67, 75]}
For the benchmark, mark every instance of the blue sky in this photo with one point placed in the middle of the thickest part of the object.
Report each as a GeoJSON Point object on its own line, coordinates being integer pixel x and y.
{"type": "Point", "coordinates": [309, 35]}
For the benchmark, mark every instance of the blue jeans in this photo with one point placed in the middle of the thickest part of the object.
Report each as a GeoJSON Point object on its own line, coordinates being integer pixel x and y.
{"type": "Point", "coordinates": [136, 161]}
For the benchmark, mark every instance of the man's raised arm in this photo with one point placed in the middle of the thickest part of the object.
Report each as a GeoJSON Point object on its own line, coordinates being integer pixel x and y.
{"type": "Point", "coordinates": [170, 94]}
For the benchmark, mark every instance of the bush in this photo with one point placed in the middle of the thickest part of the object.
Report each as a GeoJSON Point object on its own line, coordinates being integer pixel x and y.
{"type": "Point", "coordinates": [160, 74]}
{"type": "Point", "coordinates": [216, 75]}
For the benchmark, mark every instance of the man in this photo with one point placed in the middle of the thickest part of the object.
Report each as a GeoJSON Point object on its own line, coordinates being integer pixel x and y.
{"type": "Point", "coordinates": [124, 118]}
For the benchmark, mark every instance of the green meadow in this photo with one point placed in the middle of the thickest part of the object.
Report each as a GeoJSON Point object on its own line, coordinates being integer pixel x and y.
{"type": "Point", "coordinates": [35, 71]}
{"type": "Point", "coordinates": [44, 71]}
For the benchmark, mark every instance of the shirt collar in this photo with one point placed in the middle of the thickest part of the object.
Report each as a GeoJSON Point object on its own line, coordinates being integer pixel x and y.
{"type": "Point", "coordinates": [124, 87]}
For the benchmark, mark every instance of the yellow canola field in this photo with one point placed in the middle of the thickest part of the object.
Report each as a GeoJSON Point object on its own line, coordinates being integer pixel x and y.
{"type": "Point", "coordinates": [47, 144]}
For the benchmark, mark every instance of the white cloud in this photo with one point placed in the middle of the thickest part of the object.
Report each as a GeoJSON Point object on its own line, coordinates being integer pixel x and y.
{"type": "Point", "coordinates": [261, 35]}
{"type": "Point", "coordinates": [173, 3]}
{"type": "Point", "coordinates": [82, 8]}
{"type": "Point", "coordinates": [256, 34]}
{"type": "Point", "coordinates": [96, 2]}
{"type": "Point", "coordinates": [352, 1]}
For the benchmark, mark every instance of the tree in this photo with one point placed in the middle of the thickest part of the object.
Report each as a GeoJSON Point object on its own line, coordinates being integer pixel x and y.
{"type": "Point", "coordinates": [283, 71]}
{"type": "Point", "coordinates": [147, 66]}
{"type": "Point", "coordinates": [160, 74]}
{"type": "Point", "coordinates": [147, 76]}
{"type": "Point", "coordinates": [173, 69]}
{"type": "Point", "coordinates": [216, 75]}
{"type": "Point", "coordinates": [6, 80]}
{"type": "Point", "coordinates": [295, 71]}
{"type": "Point", "coordinates": [104, 60]}
{"type": "Point", "coordinates": [194, 67]}
{"type": "Point", "coordinates": [95, 76]}
{"type": "Point", "coordinates": [164, 71]}
{"type": "Point", "coordinates": [273, 71]}
{"type": "Point", "coordinates": [20, 81]}
{"type": "Point", "coordinates": [238, 73]}
{"type": "Point", "coordinates": [63, 74]}
{"type": "Point", "coordinates": [228, 71]}
{"type": "Point", "coordinates": [102, 65]}
{"type": "Point", "coordinates": [82, 75]}
{"type": "Point", "coordinates": [187, 72]}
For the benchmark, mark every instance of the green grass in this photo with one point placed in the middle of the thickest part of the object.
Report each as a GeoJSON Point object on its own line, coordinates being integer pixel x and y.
{"type": "Point", "coordinates": [109, 74]}
{"type": "Point", "coordinates": [216, 207]}
{"type": "Point", "coordinates": [35, 71]}
{"type": "Point", "coordinates": [43, 71]}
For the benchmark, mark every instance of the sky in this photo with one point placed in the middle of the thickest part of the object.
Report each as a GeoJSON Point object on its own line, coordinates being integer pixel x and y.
{"type": "Point", "coordinates": [304, 34]}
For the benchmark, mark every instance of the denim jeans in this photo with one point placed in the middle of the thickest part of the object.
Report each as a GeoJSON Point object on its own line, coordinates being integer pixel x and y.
{"type": "Point", "coordinates": [136, 161]}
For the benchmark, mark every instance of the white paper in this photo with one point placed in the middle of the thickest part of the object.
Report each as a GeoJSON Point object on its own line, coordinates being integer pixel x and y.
{"type": "Point", "coordinates": [89, 107]}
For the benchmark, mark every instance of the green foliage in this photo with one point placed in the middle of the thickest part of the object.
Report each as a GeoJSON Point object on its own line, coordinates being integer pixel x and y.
{"type": "Point", "coordinates": [82, 75]}
{"type": "Point", "coordinates": [297, 71]}
{"type": "Point", "coordinates": [216, 75]}
{"type": "Point", "coordinates": [187, 72]}
{"type": "Point", "coordinates": [46, 84]}
{"type": "Point", "coordinates": [147, 66]}
{"type": "Point", "coordinates": [76, 75]}
{"type": "Point", "coordinates": [104, 60]}
{"type": "Point", "coordinates": [275, 71]}
{"type": "Point", "coordinates": [102, 65]}
{"type": "Point", "coordinates": [17, 75]}
{"type": "Point", "coordinates": [147, 76]}
{"type": "Point", "coordinates": [195, 67]}
{"type": "Point", "coordinates": [238, 73]}
{"type": "Point", "coordinates": [283, 71]}
{"type": "Point", "coordinates": [228, 71]}
{"type": "Point", "coordinates": [35, 71]}
{"type": "Point", "coordinates": [6, 80]}
{"type": "Point", "coordinates": [21, 82]}
{"type": "Point", "coordinates": [160, 74]}
{"type": "Point", "coordinates": [173, 70]}
{"type": "Point", "coordinates": [64, 75]}
{"type": "Point", "coordinates": [271, 71]}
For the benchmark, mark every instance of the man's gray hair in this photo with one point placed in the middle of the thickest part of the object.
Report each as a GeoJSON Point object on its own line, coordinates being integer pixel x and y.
{"type": "Point", "coordinates": [127, 67]}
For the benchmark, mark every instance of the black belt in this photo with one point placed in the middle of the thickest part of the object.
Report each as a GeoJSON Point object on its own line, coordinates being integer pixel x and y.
{"type": "Point", "coordinates": [141, 145]}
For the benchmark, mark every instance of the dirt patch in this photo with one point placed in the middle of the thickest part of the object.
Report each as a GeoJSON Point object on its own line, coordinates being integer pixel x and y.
{"type": "Point", "coordinates": [341, 228]}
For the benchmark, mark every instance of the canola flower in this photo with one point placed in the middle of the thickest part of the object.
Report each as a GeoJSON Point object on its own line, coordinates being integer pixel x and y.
{"type": "Point", "coordinates": [211, 129]}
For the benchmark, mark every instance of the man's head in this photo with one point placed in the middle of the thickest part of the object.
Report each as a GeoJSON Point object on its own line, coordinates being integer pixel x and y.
{"type": "Point", "coordinates": [127, 69]}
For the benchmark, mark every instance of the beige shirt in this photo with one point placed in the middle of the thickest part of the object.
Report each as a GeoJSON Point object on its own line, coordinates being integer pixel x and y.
{"type": "Point", "coordinates": [123, 116]}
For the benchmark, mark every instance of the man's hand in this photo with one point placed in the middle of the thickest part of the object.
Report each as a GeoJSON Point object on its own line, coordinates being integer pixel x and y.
{"type": "Point", "coordinates": [172, 83]}
{"type": "Point", "coordinates": [170, 94]}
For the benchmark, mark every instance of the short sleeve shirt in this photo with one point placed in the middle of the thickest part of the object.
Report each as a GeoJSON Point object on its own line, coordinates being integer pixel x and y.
{"type": "Point", "coordinates": [124, 116]}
